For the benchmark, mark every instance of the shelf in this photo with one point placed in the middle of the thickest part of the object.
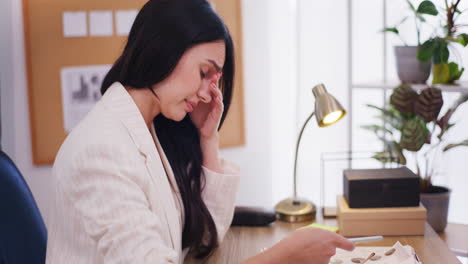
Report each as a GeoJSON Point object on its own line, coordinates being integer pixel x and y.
{"type": "Point", "coordinates": [460, 87]}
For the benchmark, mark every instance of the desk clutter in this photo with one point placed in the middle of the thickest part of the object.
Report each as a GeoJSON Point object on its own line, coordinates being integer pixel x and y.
{"type": "Point", "coordinates": [396, 254]}
{"type": "Point", "coordinates": [380, 202]}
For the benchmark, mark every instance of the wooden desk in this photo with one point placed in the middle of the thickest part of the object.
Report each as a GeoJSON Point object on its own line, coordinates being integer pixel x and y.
{"type": "Point", "coordinates": [456, 237]}
{"type": "Point", "coordinates": [241, 243]}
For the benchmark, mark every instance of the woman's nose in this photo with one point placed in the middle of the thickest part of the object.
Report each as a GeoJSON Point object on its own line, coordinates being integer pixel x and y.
{"type": "Point", "coordinates": [204, 92]}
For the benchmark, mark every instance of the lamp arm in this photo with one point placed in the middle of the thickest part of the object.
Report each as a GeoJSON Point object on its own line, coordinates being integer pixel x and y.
{"type": "Point", "coordinates": [297, 151]}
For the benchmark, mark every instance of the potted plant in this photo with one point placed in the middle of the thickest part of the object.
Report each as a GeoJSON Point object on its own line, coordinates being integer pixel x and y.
{"type": "Point", "coordinates": [412, 125]}
{"type": "Point", "coordinates": [410, 69]}
{"type": "Point", "coordinates": [435, 49]}
{"type": "Point", "coordinates": [438, 47]}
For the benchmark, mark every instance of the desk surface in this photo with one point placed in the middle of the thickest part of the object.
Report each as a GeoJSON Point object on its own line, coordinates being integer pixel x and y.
{"type": "Point", "coordinates": [456, 237]}
{"type": "Point", "coordinates": [241, 243]}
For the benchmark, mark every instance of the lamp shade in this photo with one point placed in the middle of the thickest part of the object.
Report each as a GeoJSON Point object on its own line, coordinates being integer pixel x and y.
{"type": "Point", "coordinates": [327, 109]}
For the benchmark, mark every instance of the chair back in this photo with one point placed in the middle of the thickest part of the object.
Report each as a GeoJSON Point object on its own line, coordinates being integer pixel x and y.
{"type": "Point", "coordinates": [23, 234]}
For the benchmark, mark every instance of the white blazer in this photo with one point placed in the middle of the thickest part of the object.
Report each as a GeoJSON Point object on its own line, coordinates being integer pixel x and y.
{"type": "Point", "coordinates": [112, 199]}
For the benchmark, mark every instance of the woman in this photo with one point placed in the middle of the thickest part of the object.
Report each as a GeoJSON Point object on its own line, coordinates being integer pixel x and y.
{"type": "Point", "coordinates": [139, 180]}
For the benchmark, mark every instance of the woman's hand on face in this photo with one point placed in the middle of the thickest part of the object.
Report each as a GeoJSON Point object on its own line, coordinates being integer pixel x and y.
{"type": "Point", "coordinates": [207, 116]}
{"type": "Point", "coordinates": [310, 245]}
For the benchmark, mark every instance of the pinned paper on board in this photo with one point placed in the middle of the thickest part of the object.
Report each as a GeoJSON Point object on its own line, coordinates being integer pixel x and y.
{"type": "Point", "coordinates": [100, 23]}
{"type": "Point", "coordinates": [74, 24]}
{"type": "Point", "coordinates": [124, 20]}
{"type": "Point", "coordinates": [81, 89]}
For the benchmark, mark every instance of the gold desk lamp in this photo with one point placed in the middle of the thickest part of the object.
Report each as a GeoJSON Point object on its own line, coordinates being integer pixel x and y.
{"type": "Point", "coordinates": [327, 111]}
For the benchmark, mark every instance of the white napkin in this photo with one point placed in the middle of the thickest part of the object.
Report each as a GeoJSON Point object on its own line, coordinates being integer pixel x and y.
{"type": "Point", "coordinates": [402, 255]}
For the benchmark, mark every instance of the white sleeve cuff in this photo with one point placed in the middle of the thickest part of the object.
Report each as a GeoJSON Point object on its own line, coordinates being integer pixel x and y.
{"type": "Point", "coordinates": [219, 194]}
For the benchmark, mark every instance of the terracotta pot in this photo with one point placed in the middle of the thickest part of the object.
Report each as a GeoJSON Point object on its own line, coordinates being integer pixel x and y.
{"type": "Point", "coordinates": [409, 68]}
{"type": "Point", "coordinates": [437, 204]}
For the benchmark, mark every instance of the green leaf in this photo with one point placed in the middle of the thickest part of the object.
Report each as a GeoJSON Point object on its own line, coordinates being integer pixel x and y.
{"type": "Point", "coordinates": [389, 116]}
{"type": "Point", "coordinates": [441, 52]}
{"type": "Point", "coordinates": [455, 73]}
{"type": "Point", "coordinates": [440, 73]}
{"type": "Point", "coordinates": [382, 110]}
{"type": "Point", "coordinates": [387, 157]}
{"type": "Point", "coordinates": [451, 146]}
{"type": "Point", "coordinates": [463, 39]}
{"type": "Point", "coordinates": [413, 134]}
{"type": "Point", "coordinates": [395, 123]}
{"type": "Point", "coordinates": [393, 153]}
{"type": "Point", "coordinates": [426, 50]}
{"type": "Point", "coordinates": [384, 157]}
{"type": "Point", "coordinates": [396, 151]}
{"type": "Point", "coordinates": [377, 128]}
{"type": "Point", "coordinates": [428, 8]}
{"type": "Point", "coordinates": [392, 29]}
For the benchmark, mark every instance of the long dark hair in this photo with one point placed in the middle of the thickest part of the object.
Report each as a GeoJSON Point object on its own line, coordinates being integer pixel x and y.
{"type": "Point", "coordinates": [163, 30]}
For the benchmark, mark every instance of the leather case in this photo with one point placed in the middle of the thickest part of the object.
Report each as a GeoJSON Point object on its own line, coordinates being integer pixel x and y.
{"type": "Point", "coordinates": [252, 216]}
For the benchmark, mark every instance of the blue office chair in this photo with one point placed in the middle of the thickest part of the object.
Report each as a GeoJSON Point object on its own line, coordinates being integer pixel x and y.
{"type": "Point", "coordinates": [23, 235]}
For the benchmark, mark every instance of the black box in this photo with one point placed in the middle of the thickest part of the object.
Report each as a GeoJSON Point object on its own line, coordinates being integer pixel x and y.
{"type": "Point", "coordinates": [373, 188]}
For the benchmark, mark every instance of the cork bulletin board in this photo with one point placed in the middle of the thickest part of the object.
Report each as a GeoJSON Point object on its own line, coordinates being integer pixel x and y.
{"type": "Point", "coordinates": [71, 45]}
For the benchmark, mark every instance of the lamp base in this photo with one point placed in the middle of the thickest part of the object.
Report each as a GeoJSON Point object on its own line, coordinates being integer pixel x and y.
{"type": "Point", "coordinates": [295, 210]}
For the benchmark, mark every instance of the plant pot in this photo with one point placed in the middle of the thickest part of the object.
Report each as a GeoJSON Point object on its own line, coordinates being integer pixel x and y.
{"type": "Point", "coordinates": [409, 68]}
{"type": "Point", "coordinates": [437, 204]}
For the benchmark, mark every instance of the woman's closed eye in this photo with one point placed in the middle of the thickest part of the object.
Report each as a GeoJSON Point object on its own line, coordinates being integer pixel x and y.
{"type": "Point", "coordinates": [203, 74]}
{"type": "Point", "coordinates": [207, 73]}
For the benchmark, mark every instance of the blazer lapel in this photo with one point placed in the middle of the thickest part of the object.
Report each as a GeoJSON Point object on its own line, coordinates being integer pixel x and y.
{"type": "Point", "coordinates": [121, 103]}
{"type": "Point", "coordinates": [170, 175]}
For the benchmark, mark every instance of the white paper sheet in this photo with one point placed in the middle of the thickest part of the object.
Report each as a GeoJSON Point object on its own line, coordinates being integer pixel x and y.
{"type": "Point", "coordinates": [100, 23]}
{"type": "Point", "coordinates": [124, 20]}
{"type": "Point", "coordinates": [80, 91]}
{"type": "Point", "coordinates": [402, 255]}
{"type": "Point", "coordinates": [74, 24]}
